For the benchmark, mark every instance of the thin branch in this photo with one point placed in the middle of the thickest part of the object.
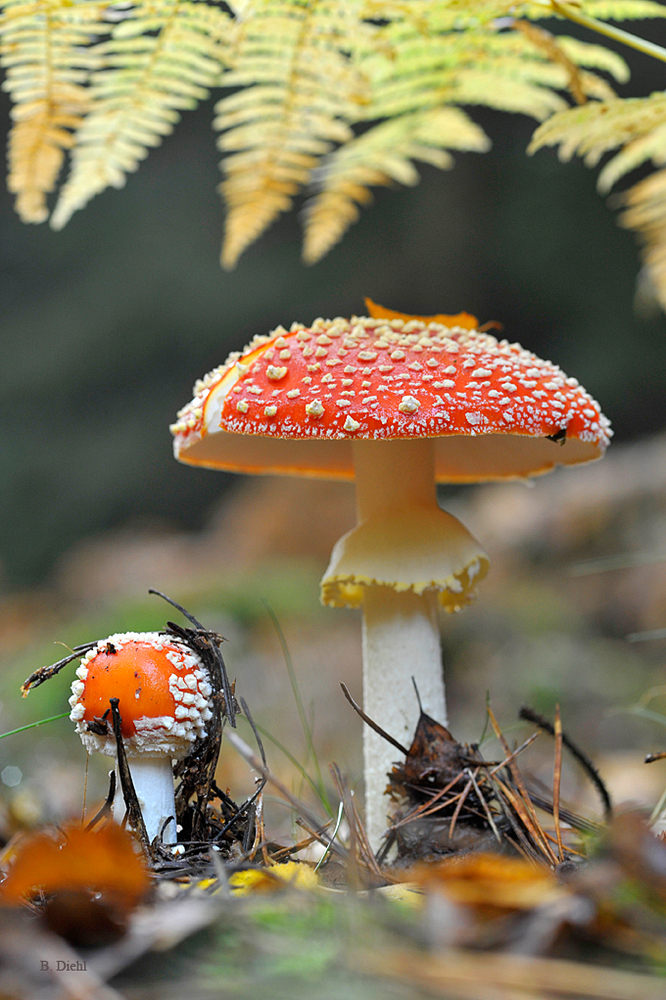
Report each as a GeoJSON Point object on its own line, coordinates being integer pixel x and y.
{"type": "Point", "coordinates": [463, 795]}
{"type": "Point", "coordinates": [525, 810]}
{"type": "Point", "coordinates": [486, 807]}
{"type": "Point", "coordinates": [215, 649]}
{"type": "Point", "coordinates": [529, 715]}
{"type": "Point", "coordinates": [557, 781]}
{"type": "Point", "coordinates": [369, 722]}
{"type": "Point", "coordinates": [46, 673]}
{"type": "Point", "coordinates": [246, 753]}
{"type": "Point", "coordinates": [106, 809]}
{"type": "Point", "coordinates": [617, 34]}
{"type": "Point", "coordinates": [134, 813]}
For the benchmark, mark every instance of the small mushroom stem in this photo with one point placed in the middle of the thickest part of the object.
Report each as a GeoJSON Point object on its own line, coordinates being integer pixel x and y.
{"type": "Point", "coordinates": [153, 783]}
{"type": "Point", "coordinates": [401, 637]}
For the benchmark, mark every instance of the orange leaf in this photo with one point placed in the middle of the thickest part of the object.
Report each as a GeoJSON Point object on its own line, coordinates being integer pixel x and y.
{"type": "Point", "coordinates": [490, 882]}
{"type": "Point", "coordinates": [466, 320]}
{"type": "Point", "coordinates": [74, 859]}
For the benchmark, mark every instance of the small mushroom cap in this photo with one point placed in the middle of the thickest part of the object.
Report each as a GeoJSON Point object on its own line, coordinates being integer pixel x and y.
{"type": "Point", "coordinates": [415, 549]}
{"type": "Point", "coordinates": [163, 691]}
{"type": "Point", "coordinates": [294, 401]}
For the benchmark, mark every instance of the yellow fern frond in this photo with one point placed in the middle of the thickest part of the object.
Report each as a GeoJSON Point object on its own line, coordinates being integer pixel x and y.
{"type": "Point", "coordinates": [45, 48]}
{"type": "Point", "coordinates": [594, 57]}
{"type": "Point", "coordinates": [382, 155]}
{"type": "Point", "coordinates": [646, 213]}
{"type": "Point", "coordinates": [638, 124]}
{"type": "Point", "coordinates": [162, 59]}
{"type": "Point", "coordinates": [301, 91]}
{"type": "Point", "coordinates": [348, 92]}
{"type": "Point", "coordinates": [414, 84]}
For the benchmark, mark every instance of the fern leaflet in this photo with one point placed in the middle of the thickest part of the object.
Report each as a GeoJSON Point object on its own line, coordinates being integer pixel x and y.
{"type": "Point", "coordinates": [300, 91]}
{"type": "Point", "coordinates": [415, 85]}
{"type": "Point", "coordinates": [638, 125]}
{"type": "Point", "coordinates": [163, 58]}
{"type": "Point", "coordinates": [44, 47]}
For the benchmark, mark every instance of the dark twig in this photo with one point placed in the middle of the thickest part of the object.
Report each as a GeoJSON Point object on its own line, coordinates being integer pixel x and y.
{"type": "Point", "coordinates": [134, 813]}
{"type": "Point", "coordinates": [242, 810]}
{"type": "Point", "coordinates": [529, 715]}
{"type": "Point", "coordinates": [46, 673]}
{"type": "Point", "coordinates": [373, 725]}
{"type": "Point", "coordinates": [571, 818]}
{"type": "Point", "coordinates": [418, 695]}
{"type": "Point", "coordinates": [215, 649]}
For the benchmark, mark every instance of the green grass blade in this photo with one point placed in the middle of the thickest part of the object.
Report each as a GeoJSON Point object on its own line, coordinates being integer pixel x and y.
{"type": "Point", "coordinates": [307, 730]}
{"type": "Point", "coordinates": [289, 755]}
{"type": "Point", "coordinates": [647, 713]}
{"type": "Point", "coordinates": [31, 725]}
{"type": "Point", "coordinates": [341, 812]}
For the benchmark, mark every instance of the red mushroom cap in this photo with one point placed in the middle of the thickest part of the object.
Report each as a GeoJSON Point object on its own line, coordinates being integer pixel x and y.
{"type": "Point", "coordinates": [493, 406]}
{"type": "Point", "coordinates": [162, 687]}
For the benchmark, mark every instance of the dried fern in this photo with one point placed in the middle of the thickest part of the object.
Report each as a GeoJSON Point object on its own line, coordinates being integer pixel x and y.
{"type": "Point", "coordinates": [416, 89]}
{"type": "Point", "coordinates": [44, 49]}
{"type": "Point", "coordinates": [326, 97]}
{"type": "Point", "coordinates": [380, 156]}
{"type": "Point", "coordinates": [300, 91]}
{"type": "Point", "coordinates": [638, 125]}
{"type": "Point", "coordinates": [163, 58]}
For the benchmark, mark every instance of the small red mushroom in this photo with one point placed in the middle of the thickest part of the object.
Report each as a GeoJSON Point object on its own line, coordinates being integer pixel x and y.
{"type": "Point", "coordinates": [164, 693]}
{"type": "Point", "coordinates": [397, 404]}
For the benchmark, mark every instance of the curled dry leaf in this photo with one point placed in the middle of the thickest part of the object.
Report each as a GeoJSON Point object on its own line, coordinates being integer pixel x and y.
{"type": "Point", "coordinates": [463, 319]}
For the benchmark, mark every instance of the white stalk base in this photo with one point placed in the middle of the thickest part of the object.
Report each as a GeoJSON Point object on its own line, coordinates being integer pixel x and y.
{"type": "Point", "coordinates": [153, 784]}
{"type": "Point", "coordinates": [400, 641]}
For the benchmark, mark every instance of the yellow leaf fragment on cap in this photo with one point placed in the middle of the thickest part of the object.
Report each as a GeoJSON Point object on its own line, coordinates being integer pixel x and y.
{"type": "Point", "coordinates": [415, 549]}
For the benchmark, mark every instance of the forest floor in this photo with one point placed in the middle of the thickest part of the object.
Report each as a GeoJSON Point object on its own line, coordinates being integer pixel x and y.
{"type": "Point", "coordinates": [573, 615]}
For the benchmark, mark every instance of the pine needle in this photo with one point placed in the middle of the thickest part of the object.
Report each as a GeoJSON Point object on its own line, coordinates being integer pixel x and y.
{"type": "Point", "coordinates": [557, 781]}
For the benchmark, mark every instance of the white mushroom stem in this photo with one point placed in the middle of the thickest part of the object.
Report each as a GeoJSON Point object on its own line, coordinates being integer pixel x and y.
{"type": "Point", "coordinates": [152, 777]}
{"type": "Point", "coordinates": [400, 629]}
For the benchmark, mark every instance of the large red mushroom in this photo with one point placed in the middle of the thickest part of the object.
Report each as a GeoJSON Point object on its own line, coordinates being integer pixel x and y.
{"type": "Point", "coordinates": [398, 404]}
